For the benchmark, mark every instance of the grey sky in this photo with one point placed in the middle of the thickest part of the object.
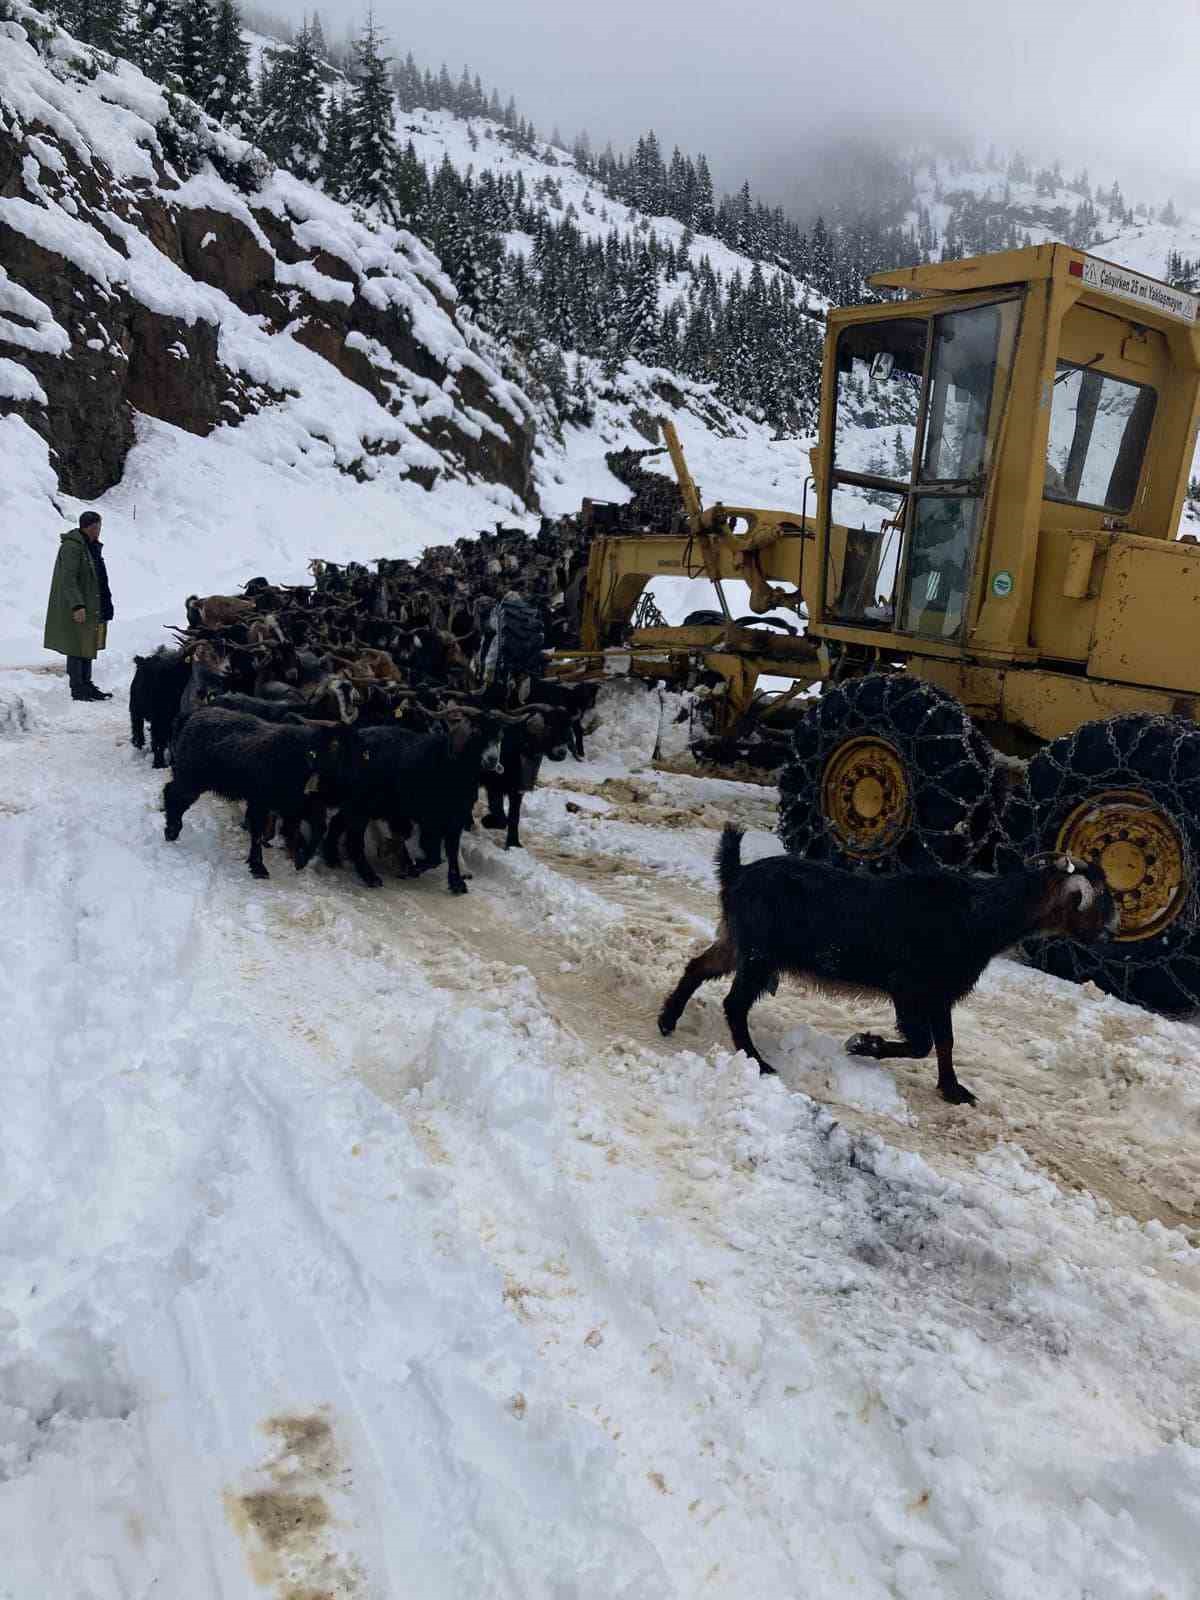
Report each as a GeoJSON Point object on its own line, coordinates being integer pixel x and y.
{"type": "Point", "coordinates": [752, 83]}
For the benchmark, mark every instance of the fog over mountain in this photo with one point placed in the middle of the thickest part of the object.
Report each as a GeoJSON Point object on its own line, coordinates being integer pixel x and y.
{"type": "Point", "coordinates": [759, 87]}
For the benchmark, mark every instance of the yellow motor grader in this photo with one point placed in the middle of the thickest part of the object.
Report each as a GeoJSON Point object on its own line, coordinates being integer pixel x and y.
{"type": "Point", "coordinates": [988, 595]}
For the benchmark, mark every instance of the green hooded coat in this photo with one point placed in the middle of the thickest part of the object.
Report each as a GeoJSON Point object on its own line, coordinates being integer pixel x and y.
{"type": "Point", "coordinates": [74, 584]}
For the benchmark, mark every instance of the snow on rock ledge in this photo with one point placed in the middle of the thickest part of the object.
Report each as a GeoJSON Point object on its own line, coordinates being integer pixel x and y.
{"type": "Point", "coordinates": [153, 268]}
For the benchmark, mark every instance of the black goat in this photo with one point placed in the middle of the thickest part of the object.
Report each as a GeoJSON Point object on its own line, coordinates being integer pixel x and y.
{"type": "Point", "coordinates": [576, 698]}
{"type": "Point", "coordinates": [404, 778]}
{"type": "Point", "coordinates": [545, 731]}
{"type": "Point", "coordinates": [210, 675]}
{"type": "Point", "coordinates": [266, 710]}
{"type": "Point", "coordinates": [922, 939]}
{"type": "Point", "coordinates": [272, 767]}
{"type": "Point", "coordinates": [154, 695]}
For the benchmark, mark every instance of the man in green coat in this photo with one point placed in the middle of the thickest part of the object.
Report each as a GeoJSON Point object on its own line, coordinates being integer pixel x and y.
{"type": "Point", "coordinates": [80, 606]}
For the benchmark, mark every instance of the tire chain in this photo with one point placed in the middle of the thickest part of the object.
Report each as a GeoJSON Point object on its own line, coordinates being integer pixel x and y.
{"type": "Point", "coordinates": [1159, 756]}
{"type": "Point", "coordinates": [956, 787]}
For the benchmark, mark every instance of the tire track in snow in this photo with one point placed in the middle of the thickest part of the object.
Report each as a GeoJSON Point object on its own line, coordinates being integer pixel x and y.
{"type": "Point", "coordinates": [795, 1353]}
{"type": "Point", "coordinates": [577, 1298]}
{"type": "Point", "coordinates": [1059, 1071]}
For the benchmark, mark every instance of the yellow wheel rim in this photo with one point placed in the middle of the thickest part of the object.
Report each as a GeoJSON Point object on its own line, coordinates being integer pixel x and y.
{"type": "Point", "coordinates": [1142, 855]}
{"type": "Point", "coordinates": [865, 796]}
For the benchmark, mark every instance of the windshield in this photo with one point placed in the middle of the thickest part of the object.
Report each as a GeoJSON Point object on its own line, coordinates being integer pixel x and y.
{"type": "Point", "coordinates": [879, 370]}
{"type": "Point", "coordinates": [1099, 429]}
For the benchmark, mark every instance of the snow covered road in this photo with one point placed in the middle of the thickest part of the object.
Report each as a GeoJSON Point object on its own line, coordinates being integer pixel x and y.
{"type": "Point", "coordinates": [375, 1245]}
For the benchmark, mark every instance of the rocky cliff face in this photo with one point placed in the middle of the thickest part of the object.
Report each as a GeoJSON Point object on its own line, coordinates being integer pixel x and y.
{"type": "Point", "coordinates": [150, 263]}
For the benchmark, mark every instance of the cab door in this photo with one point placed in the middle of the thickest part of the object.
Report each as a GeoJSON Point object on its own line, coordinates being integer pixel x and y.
{"type": "Point", "coordinates": [970, 356]}
{"type": "Point", "coordinates": [916, 418]}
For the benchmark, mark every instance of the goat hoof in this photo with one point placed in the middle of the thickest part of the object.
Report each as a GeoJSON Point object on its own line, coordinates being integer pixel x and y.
{"type": "Point", "coordinates": [957, 1094]}
{"type": "Point", "coordinates": [257, 870]}
{"type": "Point", "coordinates": [491, 821]}
{"type": "Point", "coordinates": [766, 1070]}
{"type": "Point", "coordinates": [666, 1025]}
{"type": "Point", "coordinates": [458, 887]}
{"type": "Point", "coordinates": [171, 832]}
{"type": "Point", "coordinates": [371, 880]}
{"type": "Point", "coordinates": [513, 844]}
{"type": "Point", "coordinates": [863, 1044]}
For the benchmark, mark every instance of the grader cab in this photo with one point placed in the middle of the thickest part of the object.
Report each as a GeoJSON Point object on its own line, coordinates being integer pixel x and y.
{"type": "Point", "coordinates": [988, 591]}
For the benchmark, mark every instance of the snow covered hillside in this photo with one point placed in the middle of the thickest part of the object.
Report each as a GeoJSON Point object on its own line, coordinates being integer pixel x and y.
{"type": "Point", "coordinates": [150, 284]}
{"type": "Point", "coordinates": [242, 372]}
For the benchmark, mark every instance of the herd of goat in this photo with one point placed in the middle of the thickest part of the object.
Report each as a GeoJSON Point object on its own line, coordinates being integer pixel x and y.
{"type": "Point", "coordinates": [392, 697]}
{"type": "Point", "coordinates": [389, 696]}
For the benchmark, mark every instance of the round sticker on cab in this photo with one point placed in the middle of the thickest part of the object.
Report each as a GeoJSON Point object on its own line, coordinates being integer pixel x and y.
{"type": "Point", "coordinates": [1002, 584]}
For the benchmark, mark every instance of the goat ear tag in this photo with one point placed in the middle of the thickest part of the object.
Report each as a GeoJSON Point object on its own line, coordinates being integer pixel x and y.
{"type": "Point", "coordinates": [313, 784]}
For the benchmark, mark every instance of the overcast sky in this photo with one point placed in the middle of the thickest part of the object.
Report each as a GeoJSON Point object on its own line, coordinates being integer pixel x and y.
{"type": "Point", "coordinates": [754, 82]}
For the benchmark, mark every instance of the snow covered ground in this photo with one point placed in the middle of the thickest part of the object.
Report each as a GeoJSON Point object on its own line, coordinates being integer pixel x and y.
{"type": "Point", "coordinates": [375, 1244]}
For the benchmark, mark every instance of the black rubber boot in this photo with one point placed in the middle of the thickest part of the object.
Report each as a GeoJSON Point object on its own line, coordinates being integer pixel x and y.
{"type": "Point", "coordinates": [90, 691]}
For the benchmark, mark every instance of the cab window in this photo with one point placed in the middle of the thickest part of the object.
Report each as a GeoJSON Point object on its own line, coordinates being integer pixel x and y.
{"type": "Point", "coordinates": [960, 398]}
{"type": "Point", "coordinates": [1099, 429]}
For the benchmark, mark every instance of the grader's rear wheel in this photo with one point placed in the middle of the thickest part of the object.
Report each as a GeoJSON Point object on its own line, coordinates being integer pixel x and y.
{"type": "Point", "coordinates": [889, 772]}
{"type": "Point", "coordinates": [1125, 793]}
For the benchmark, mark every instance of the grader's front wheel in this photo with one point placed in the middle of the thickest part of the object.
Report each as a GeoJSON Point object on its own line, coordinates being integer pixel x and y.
{"type": "Point", "coordinates": [889, 772]}
{"type": "Point", "coordinates": [1125, 793]}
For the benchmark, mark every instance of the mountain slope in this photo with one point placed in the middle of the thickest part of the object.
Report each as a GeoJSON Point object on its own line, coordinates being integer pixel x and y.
{"type": "Point", "coordinates": [154, 268]}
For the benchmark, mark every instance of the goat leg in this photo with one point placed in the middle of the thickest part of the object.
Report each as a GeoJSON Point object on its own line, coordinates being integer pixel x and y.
{"type": "Point", "coordinates": [314, 814]}
{"type": "Point", "coordinates": [714, 962]}
{"type": "Point", "coordinates": [915, 1041]}
{"type": "Point", "coordinates": [920, 1036]}
{"type": "Point", "coordinates": [877, 1048]}
{"type": "Point", "coordinates": [455, 877]}
{"type": "Point", "coordinates": [356, 843]}
{"type": "Point", "coordinates": [749, 983]}
{"type": "Point", "coordinates": [176, 800]}
{"type": "Point", "coordinates": [494, 816]}
{"type": "Point", "coordinates": [298, 847]}
{"type": "Point", "coordinates": [948, 1085]}
{"type": "Point", "coordinates": [397, 847]}
{"type": "Point", "coordinates": [256, 820]}
{"type": "Point", "coordinates": [330, 853]}
{"type": "Point", "coordinates": [431, 847]}
{"type": "Point", "coordinates": [512, 839]}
